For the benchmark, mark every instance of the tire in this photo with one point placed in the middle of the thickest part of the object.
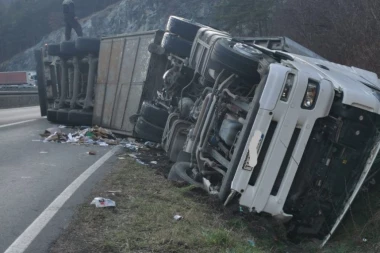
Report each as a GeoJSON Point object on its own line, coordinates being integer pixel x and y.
{"type": "Point", "coordinates": [225, 56]}
{"type": "Point", "coordinates": [63, 116]}
{"type": "Point", "coordinates": [183, 27]}
{"type": "Point", "coordinates": [54, 49]}
{"type": "Point", "coordinates": [88, 45]}
{"type": "Point", "coordinates": [154, 114]}
{"type": "Point", "coordinates": [148, 131]}
{"type": "Point", "coordinates": [80, 118]}
{"type": "Point", "coordinates": [52, 115]}
{"type": "Point", "coordinates": [68, 48]}
{"type": "Point", "coordinates": [176, 45]}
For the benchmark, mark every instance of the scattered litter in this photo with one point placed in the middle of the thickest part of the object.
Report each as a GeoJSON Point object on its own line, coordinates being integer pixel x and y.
{"type": "Point", "coordinates": [131, 147]}
{"type": "Point", "coordinates": [62, 126]}
{"type": "Point", "coordinates": [178, 217]}
{"type": "Point", "coordinates": [153, 162]}
{"type": "Point", "coordinates": [36, 140]}
{"type": "Point", "coordinates": [95, 135]}
{"type": "Point", "coordinates": [50, 131]}
{"type": "Point", "coordinates": [121, 158]}
{"type": "Point", "coordinates": [365, 240]}
{"type": "Point", "coordinates": [140, 162]}
{"type": "Point", "coordinates": [118, 191]}
{"type": "Point", "coordinates": [102, 144]}
{"type": "Point", "coordinates": [114, 192]}
{"type": "Point", "coordinates": [102, 202]}
{"type": "Point", "coordinates": [252, 243]}
{"type": "Point", "coordinates": [111, 142]}
{"type": "Point", "coordinates": [91, 153]}
{"type": "Point", "coordinates": [133, 156]}
{"type": "Point", "coordinates": [151, 144]}
{"type": "Point", "coordinates": [43, 152]}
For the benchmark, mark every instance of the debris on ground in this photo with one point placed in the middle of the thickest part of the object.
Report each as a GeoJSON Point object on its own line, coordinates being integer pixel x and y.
{"type": "Point", "coordinates": [102, 202]}
{"type": "Point", "coordinates": [140, 162]}
{"type": "Point", "coordinates": [178, 217]}
{"type": "Point", "coordinates": [146, 153]}
{"type": "Point", "coordinates": [252, 243]}
{"type": "Point", "coordinates": [43, 152]}
{"type": "Point", "coordinates": [50, 131]}
{"type": "Point", "coordinates": [151, 144]}
{"type": "Point", "coordinates": [91, 152]}
{"type": "Point", "coordinates": [121, 158]}
{"type": "Point", "coordinates": [95, 136]}
{"type": "Point", "coordinates": [114, 192]}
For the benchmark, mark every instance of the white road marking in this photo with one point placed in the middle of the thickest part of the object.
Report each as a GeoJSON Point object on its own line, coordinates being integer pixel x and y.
{"type": "Point", "coordinates": [17, 123]}
{"type": "Point", "coordinates": [27, 237]}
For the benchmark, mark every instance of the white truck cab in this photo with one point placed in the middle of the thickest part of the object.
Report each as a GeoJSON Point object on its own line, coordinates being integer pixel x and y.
{"type": "Point", "coordinates": [305, 101]}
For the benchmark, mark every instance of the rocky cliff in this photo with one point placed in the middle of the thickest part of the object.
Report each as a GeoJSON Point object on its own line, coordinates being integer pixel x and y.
{"type": "Point", "coordinates": [125, 17]}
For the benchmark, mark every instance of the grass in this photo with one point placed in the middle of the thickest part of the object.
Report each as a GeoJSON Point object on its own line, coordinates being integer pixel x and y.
{"type": "Point", "coordinates": [143, 221]}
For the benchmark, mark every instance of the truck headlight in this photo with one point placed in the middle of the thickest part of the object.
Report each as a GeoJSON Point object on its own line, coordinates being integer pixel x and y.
{"type": "Point", "coordinates": [311, 95]}
{"type": "Point", "coordinates": [288, 87]}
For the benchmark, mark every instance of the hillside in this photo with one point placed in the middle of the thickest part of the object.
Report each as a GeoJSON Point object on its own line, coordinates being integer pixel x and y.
{"type": "Point", "coordinates": [123, 17]}
{"type": "Point", "coordinates": [23, 23]}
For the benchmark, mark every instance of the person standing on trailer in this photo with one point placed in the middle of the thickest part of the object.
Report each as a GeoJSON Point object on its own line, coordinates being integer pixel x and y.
{"type": "Point", "coordinates": [71, 21]}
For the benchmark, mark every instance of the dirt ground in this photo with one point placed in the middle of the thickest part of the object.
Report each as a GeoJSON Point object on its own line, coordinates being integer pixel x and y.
{"type": "Point", "coordinates": [143, 218]}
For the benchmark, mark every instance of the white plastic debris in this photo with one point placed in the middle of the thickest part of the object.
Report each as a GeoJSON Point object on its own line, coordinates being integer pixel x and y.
{"type": "Point", "coordinates": [178, 217]}
{"type": "Point", "coordinates": [132, 155]}
{"type": "Point", "coordinates": [153, 162]}
{"type": "Point", "coordinates": [121, 158]}
{"type": "Point", "coordinates": [102, 202]}
{"type": "Point", "coordinates": [71, 139]}
{"type": "Point", "coordinates": [140, 162]}
{"type": "Point", "coordinates": [365, 240]}
{"type": "Point", "coordinates": [61, 126]}
{"type": "Point", "coordinates": [102, 144]}
{"type": "Point", "coordinates": [43, 152]}
{"type": "Point", "coordinates": [131, 147]}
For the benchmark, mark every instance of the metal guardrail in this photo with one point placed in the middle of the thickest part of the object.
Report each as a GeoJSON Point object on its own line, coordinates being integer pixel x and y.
{"type": "Point", "coordinates": [19, 93]}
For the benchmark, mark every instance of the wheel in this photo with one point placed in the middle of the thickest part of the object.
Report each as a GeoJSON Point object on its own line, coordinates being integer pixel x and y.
{"type": "Point", "coordinates": [173, 175]}
{"type": "Point", "coordinates": [54, 49]}
{"type": "Point", "coordinates": [176, 45]}
{"type": "Point", "coordinates": [154, 114]}
{"type": "Point", "coordinates": [68, 48]}
{"type": "Point", "coordinates": [52, 115]}
{"type": "Point", "coordinates": [179, 140]}
{"type": "Point", "coordinates": [80, 118]}
{"type": "Point", "coordinates": [87, 45]}
{"type": "Point", "coordinates": [185, 28]}
{"type": "Point", "coordinates": [148, 131]}
{"type": "Point", "coordinates": [63, 116]}
{"type": "Point", "coordinates": [237, 58]}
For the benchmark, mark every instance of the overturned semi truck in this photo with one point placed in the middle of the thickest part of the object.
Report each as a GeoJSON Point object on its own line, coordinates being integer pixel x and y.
{"type": "Point", "coordinates": [263, 121]}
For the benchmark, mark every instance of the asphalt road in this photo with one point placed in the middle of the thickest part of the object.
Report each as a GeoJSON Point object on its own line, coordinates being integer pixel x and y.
{"type": "Point", "coordinates": [8, 116]}
{"type": "Point", "coordinates": [34, 173]}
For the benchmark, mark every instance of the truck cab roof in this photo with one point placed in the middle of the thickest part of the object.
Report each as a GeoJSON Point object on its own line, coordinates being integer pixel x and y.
{"type": "Point", "coordinates": [360, 88]}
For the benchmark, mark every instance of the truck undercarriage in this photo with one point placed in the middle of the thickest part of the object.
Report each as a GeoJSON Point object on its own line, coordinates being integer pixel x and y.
{"type": "Point", "coordinates": [246, 118]}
